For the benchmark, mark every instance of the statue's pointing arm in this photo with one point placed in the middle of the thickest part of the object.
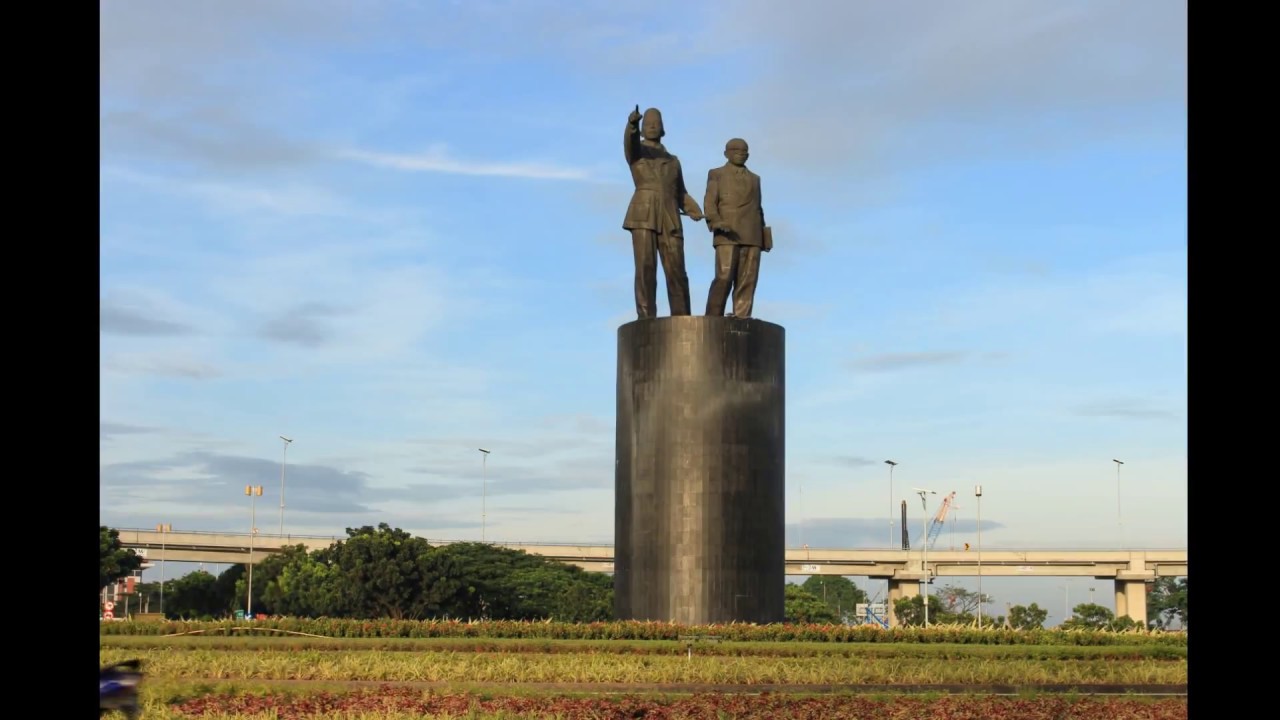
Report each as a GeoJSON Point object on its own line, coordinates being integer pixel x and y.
{"type": "Point", "coordinates": [631, 137]}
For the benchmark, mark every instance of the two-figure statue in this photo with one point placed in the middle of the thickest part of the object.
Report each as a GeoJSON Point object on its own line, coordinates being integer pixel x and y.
{"type": "Point", "coordinates": [733, 213]}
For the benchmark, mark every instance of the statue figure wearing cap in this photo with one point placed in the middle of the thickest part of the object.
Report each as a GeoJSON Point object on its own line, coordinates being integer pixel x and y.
{"type": "Point", "coordinates": [653, 216]}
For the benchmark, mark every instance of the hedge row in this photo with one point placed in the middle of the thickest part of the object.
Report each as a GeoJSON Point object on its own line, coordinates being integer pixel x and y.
{"type": "Point", "coordinates": [635, 630]}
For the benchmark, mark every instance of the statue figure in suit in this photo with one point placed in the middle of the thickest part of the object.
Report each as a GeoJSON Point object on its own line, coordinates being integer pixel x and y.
{"type": "Point", "coordinates": [653, 216]}
{"type": "Point", "coordinates": [736, 219]}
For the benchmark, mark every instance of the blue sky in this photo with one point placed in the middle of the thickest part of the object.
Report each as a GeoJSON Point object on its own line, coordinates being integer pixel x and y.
{"type": "Point", "coordinates": [391, 230]}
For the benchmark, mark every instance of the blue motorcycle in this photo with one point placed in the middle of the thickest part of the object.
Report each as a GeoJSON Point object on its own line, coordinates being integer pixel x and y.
{"type": "Point", "coordinates": [118, 689]}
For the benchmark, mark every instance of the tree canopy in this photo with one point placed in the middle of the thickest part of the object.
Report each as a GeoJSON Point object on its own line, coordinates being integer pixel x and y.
{"type": "Point", "coordinates": [381, 571]}
{"type": "Point", "coordinates": [117, 560]}
{"type": "Point", "coordinates": [1167, 603]}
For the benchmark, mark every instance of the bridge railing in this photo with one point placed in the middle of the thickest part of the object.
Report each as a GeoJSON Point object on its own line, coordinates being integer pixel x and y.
{"type": "Point", "coordinates": [287, 536]}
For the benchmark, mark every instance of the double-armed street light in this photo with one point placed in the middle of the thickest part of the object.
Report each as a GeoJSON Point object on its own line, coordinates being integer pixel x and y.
{"type": "Point", "coordinates": [283, 456]}
{"type": "Point", "coordinates": [484, 490]}
{"type": "Point", "coordinates": [164, 529]}
{"type": "Point", "coordinates": [924, 545]}
{"type": "Point", "coordinates": [891, 465]}
{"type": "Point", "coordinates": [977, 492]}
{"type": "Point", "coordinates": [1119, 517]}
{"type": "Point", "coordinates": [254, 492]}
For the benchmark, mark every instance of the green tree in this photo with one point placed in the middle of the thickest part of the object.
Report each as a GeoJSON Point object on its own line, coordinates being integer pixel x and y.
{"type": "Point", "coordinates": [265, 574]}
{"type": "Point", "coordinates": [193, 596]}
{"type": "Point", "coordinates": [590, 598]}
{"type": "Point", "coordinates": [306, 585]}
{"type": "Point", "coordinates": [1089, 616]}
{"type": "Point", "coordinates": [838, 592]}
{"type": "Point", "coordinates": [117, 561]}
{"type": "Point", "coordinates": [230, 590]}
{"type": "Point", "coordinates": [1030, 617]}
{"type": "Point", "coordinates": [146, 597]}
{"type": "Point", "coordinates": [910, 611]}
{"type": "Point", "coordinates": [489, 576]}
{"type": "Point", "coordinates": [802, 606]}
{"type": "Point", "coordinates": [561, 592]}
{"type": "Point", "coordinates": [386, 572]}
{"type": "Point", "coordinates": [960, 602]}
{"type": "Point", "coordinates": [1167, 603]}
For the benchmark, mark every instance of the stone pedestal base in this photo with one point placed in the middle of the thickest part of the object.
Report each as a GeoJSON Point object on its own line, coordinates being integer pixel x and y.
{"type": "Point", "coordinates": [700, 471]}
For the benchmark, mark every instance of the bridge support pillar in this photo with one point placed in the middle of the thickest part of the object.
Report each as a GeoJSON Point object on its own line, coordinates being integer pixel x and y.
{"type": "Point", "coordinates": [1131, 599]}
{"type": "Point", "coordinates": [900, 588]}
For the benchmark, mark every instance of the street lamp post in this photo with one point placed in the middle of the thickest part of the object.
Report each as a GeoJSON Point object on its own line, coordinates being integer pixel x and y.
{"type": "Point", "coordinates": [924, 546]}
{"type": "Point", "coordinates": [977, 491]}
{"type": "Point", "coordinates": [254, 492]}
{"type": "Point", "coordinates": [484, 490]}
{"type": "Point", "coordinates": [163, 529]}
{"type": "Point", "coordinates": [891, 465]}
{"type": "Point", "coordinates": [1066, 603]}
{"type": "Point", "coordinates": [1119, 518]}
{"type": "Point", "coordinates": [283, 455]}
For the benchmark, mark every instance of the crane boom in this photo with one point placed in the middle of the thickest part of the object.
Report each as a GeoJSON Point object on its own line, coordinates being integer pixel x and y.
{"type": "Point", "coordinates": [935, 527]}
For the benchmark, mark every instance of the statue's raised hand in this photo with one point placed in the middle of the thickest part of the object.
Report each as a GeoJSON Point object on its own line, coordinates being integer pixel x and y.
{"type": "Point", "coordinates": [634, 117]}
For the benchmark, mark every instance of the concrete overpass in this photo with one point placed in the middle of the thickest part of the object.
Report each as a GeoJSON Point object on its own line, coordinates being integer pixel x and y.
{"type": "Point", "coordinates": [1130, 570]}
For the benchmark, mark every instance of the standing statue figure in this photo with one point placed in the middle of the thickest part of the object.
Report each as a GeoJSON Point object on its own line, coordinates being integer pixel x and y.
{"type": "Point", "coordinates": [736, 219]}
{"type": "Point", "coordinates": [653, 217]}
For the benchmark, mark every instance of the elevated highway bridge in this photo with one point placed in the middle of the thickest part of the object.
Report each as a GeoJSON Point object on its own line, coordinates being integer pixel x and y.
{"type": "Point", "coordinates": [1130, 570]}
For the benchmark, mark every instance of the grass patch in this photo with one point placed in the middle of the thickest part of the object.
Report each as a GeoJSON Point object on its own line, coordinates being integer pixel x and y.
{"type": "Point", "coordinates": [437, 666]}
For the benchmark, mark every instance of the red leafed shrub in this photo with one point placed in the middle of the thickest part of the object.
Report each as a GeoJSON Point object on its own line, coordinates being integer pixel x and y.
{"type": "Point", "coordinates": [697, 707]}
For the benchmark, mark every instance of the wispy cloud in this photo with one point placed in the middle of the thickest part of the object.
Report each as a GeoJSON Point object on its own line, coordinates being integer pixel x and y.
{"type": "Point", "coordinates": [437, 159]}
{"type": "Point", "coordinates": [888, 362]}
{"type": "Point", "coordinates": [1135, 408]}
{"type": "Point", "coordinates": [119, 318]}
{"type": "Point", "coordinates": [207, 479]}
{"type": "Point", "coordinates": [282, 198]}
{"type": "Point", "coordinates": [880, 78]}
{"type": "Point", "coordinates": [852, 460]}
{"type": "Point", "coordinates": [176, 365]}
{"type": "Point", "coordinates": [303, 325]}
{"type": "Point", "coordinates": [107, 430]}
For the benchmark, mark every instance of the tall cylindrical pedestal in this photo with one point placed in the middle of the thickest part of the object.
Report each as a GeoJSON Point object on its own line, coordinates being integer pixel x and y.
{"type": "Point", "coordinates": [700, 502]}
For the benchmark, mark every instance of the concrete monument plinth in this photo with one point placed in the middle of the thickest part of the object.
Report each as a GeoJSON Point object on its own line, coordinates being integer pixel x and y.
{"type": "Point", "coordinates": [700, 470]}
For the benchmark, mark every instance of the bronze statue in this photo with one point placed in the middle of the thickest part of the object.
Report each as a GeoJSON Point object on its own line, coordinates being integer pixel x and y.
{"type": "Point", "coordinates": [736, 219]}
{"type": "Point", "coordinates": [653, 216]}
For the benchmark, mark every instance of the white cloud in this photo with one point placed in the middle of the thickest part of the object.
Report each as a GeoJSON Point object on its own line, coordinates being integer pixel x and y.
{"type": "Point", "coordinates": [178, 364]}
{"type": "Point", "coordinates": [437, 159]}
